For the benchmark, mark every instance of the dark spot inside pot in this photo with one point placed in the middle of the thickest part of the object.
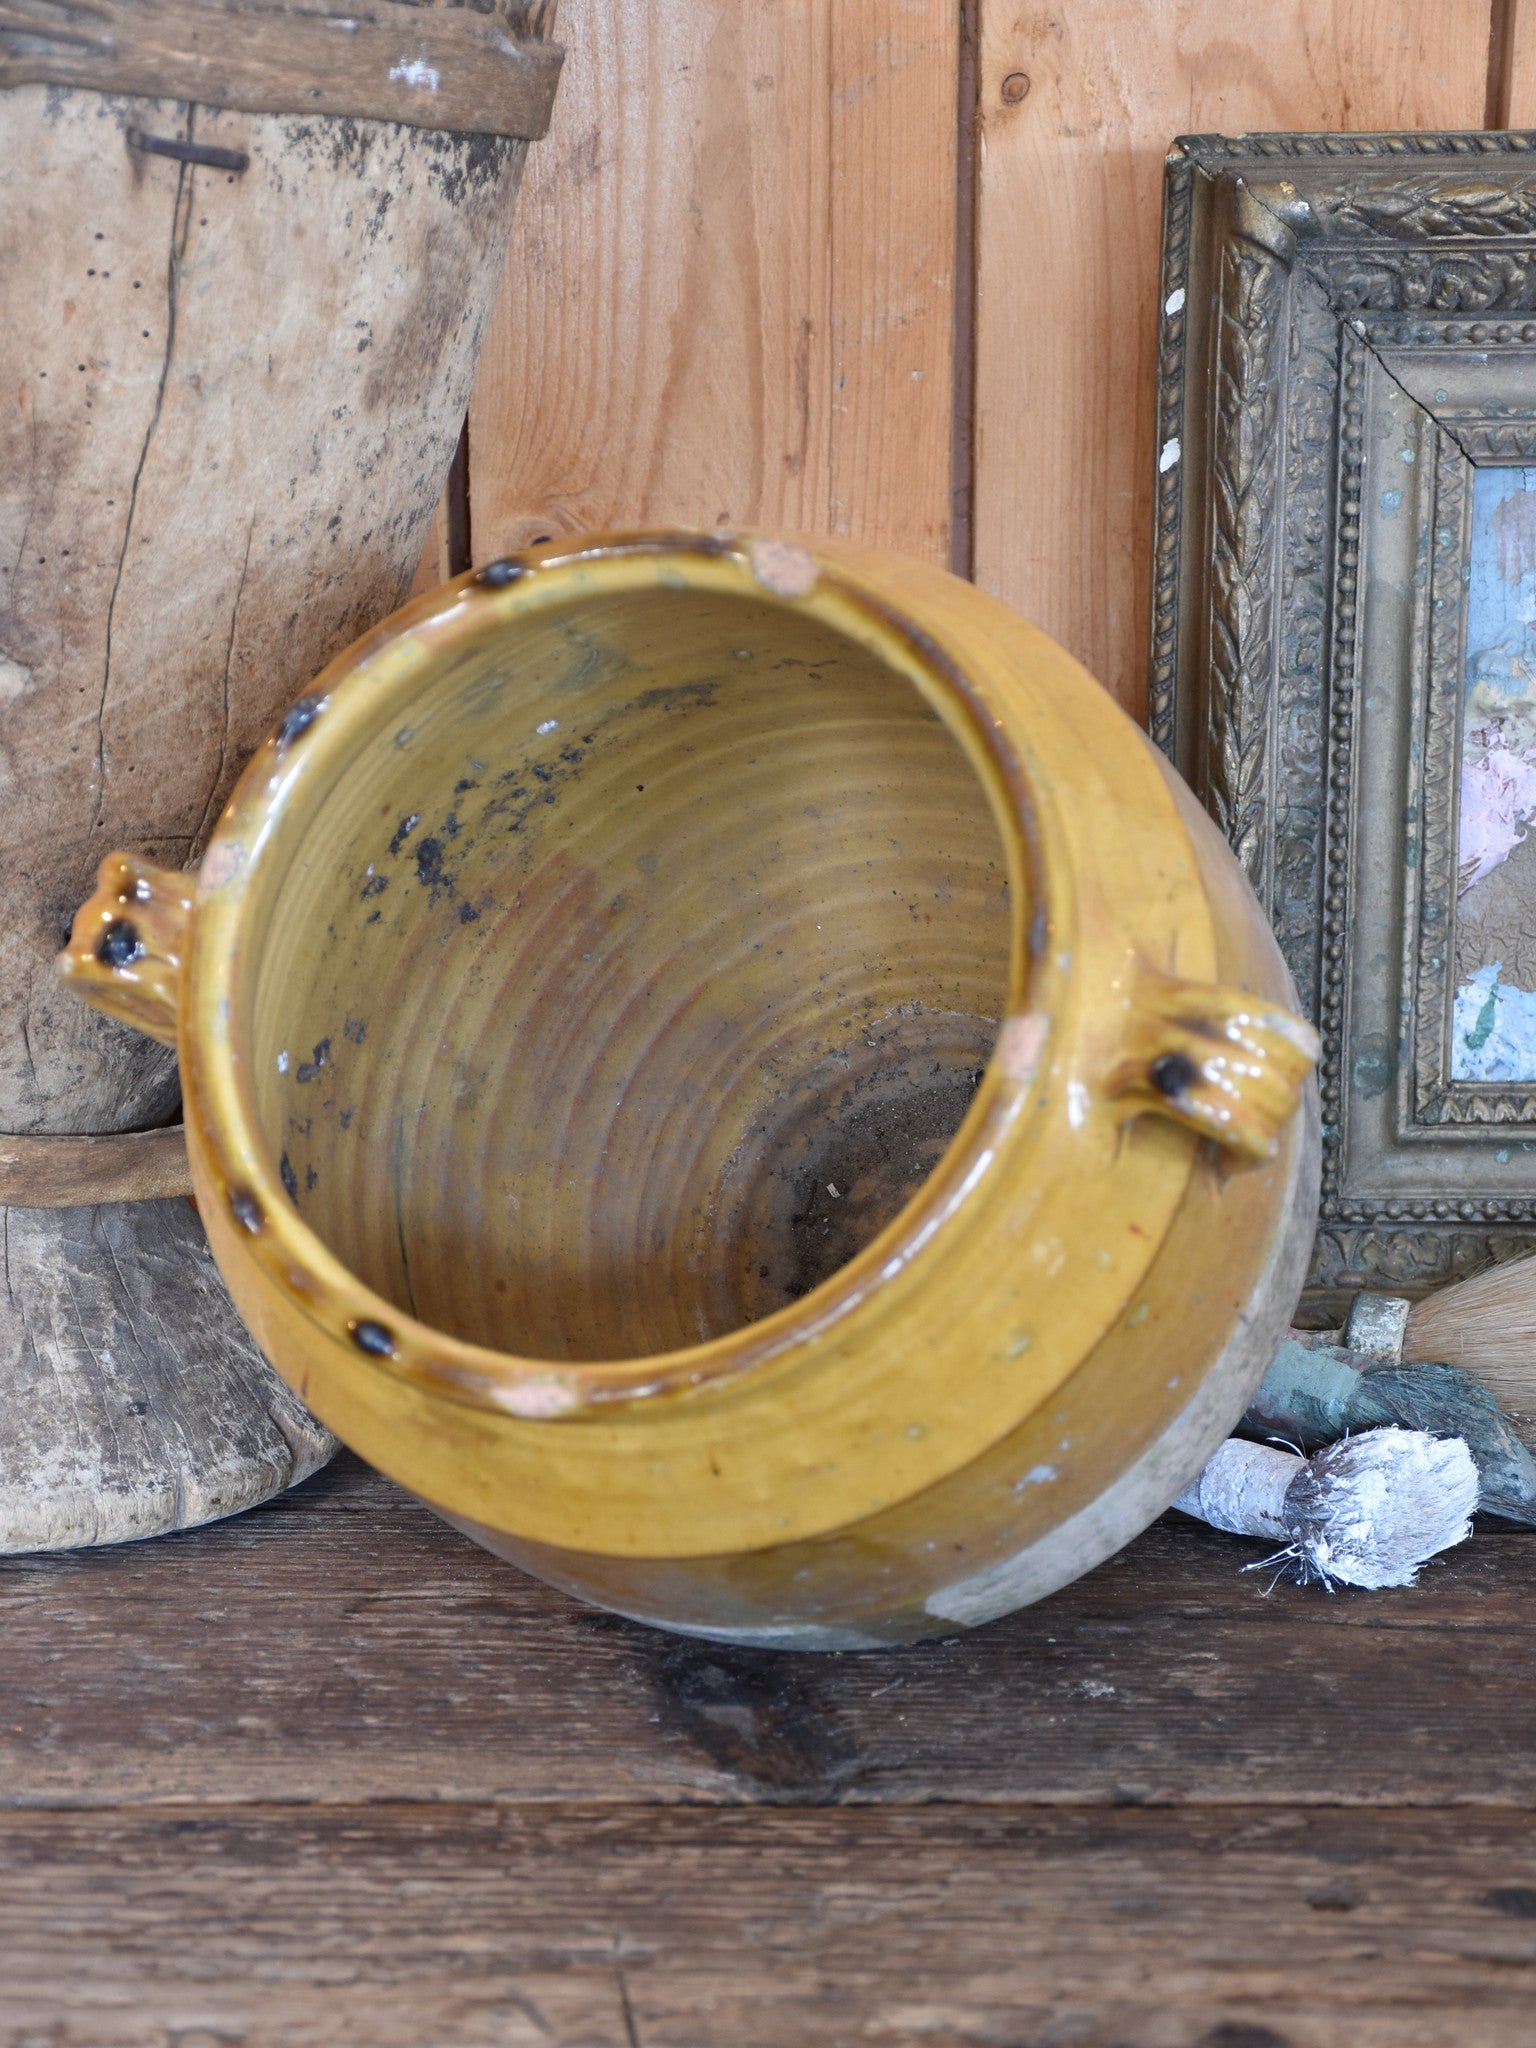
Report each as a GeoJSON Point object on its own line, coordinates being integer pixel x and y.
{"type": "Point", "coordinates": [1173, 1074]}
{"type": "Point", "coordinates": [298, 719]}
{"type": "Point", "coordinates": [119, 945]}
{"type": "Point", "coordinates": [309, 1069]}
{"type": "Point", "coordinates": [354, 1030]}
{"type": "Point", "coordinates": [853, 1165]}
{"type": "Point", "coordinates": [372, 1338]}
{"type": "Point", "coordinates": [246, 1210]}
{"type": "Point", "coordinates": [497, 575]}
{"type": "Point", "coordinates": [404, 830]}
{"type": "Point", "coordinates": [290, 1179]}
{"type": "Point", "coordinates": [429, 864]}
{"type": "Point", "coordinates": [375, 885]}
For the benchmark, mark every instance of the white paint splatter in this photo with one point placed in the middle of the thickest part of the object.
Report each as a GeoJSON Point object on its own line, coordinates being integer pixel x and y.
{"type": "Point", "coordinates": [548, 725]}
{"type": "Point", "coordinates": [1169, 456]}
{"type": "Point", "coordinates": [783, 567]}
{"type": "Point", "coordinates": [412, 71]}
{"type": "Point", "coordinates": [1037, 1475]}
{"type": "Point", "coordinates": [1174, 303]}
{"type": "Point", "coordinates": [282, 1063]}
{"type": "Point", "coordinates": [1498, 803]}
{"type": "Point", "coordinates": [537, 1399]}
{"type": "Point", "coordinates": [1077, 1105]}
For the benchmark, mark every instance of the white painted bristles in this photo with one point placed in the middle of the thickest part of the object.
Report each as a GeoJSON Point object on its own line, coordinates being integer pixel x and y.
{"type": "Point", "coordinates": [1367, 1511]}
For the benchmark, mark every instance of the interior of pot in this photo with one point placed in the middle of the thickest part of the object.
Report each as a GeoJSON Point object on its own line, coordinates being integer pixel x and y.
{"type": "Point", "coordinates": [635, 983]}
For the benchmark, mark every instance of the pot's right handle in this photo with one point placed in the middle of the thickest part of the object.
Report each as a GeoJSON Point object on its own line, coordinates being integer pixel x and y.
{"type": "Point", "coordinates": [1224, 1063]}
{"type": "Point", "coordinates": [128, 941]}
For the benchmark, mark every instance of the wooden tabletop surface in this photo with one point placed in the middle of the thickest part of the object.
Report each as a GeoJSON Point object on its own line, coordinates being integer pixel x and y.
{"type": "Point", "coordinates": [329, 1774]}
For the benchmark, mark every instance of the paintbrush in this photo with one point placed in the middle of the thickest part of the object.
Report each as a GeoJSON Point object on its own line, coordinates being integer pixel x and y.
{"type": "Point", "coordinates": [1317, 1391]}
{"type": "Point", "coordinates": [1365, 1512]}
{"type": "Point", "coordinates": [1321, 1387]}
{"type": "Point", "coordinates": [1488, 1325]}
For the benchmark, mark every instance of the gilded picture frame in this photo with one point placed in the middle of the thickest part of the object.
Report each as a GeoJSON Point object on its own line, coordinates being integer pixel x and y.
{"type": "Point", "coordinates": [1342, 663]}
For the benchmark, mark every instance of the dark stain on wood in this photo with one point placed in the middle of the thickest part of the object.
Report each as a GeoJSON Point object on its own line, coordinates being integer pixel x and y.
{"type": "Point", "coordinates": [756, 1715]}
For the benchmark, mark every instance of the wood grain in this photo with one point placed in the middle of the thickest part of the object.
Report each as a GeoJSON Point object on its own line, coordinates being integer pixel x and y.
{"type": "Point", "coordinates": [134, 1400]}
{"type": "Point", "coordinates": [1512, 97]}
{"type": "Point", "coordinates": [65, 1173]}
{"type": "Point", "coordinates": [447, 68]}
{"type": "Point", "coordinates": [1078, 106]}
{"type": "Point", "coordinates": [341, 1644]}
{"type": "Point", "coordinates": [730, 293]}
{"type": "Point", "coordinates": [433, 567]}
{"type": "Point", "coordinates": [384, 1926]}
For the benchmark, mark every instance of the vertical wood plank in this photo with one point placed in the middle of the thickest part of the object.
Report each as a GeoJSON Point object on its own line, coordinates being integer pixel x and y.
{"type": "Point", "coordinates": [730, 294]}
{"type": "Point", "coordinates": [1078, 106]}
{"type": "Point", "coordinates": [433, 567]}
{"type": "Point", "coordinates": [1512, 73]}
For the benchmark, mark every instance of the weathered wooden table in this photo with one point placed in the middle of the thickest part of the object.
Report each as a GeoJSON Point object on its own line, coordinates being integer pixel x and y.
{"type": "Point", "coordinates": [328, 1774]}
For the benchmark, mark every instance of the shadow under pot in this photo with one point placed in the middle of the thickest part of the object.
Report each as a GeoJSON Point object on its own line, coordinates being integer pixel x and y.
{"type": "Point", "coordinates": [736, 1073]}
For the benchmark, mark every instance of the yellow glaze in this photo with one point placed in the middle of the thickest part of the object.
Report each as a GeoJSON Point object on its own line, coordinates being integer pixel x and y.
{"type": "Point", "coordinates": [577, 932]}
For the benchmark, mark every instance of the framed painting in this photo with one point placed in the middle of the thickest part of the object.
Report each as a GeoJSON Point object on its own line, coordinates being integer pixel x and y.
{"type": "Point", "coordinates": [1344, 644]}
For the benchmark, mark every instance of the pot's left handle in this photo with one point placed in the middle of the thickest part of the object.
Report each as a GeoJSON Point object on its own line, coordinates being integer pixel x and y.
{"type": "Point", "coordinates": [128, 941]}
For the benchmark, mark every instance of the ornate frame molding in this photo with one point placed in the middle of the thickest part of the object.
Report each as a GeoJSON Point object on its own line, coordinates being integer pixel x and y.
{"type": "Point", "coordinates": [1311, 286]}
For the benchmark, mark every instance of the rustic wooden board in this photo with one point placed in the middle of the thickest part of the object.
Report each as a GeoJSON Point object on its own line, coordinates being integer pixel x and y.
{"type": "Point", "coordinates": [1512, 67]}
{"type": "Point", "coordinates": [1077, 108]}
{"type": "Point", "coordinates": [433, 567]}
{"type": "Point", "coordinates": [383, 1926]}
{"type": "Point", "coordinates": [446, 68]}
{"type": "Point", "coordinates": [123, 1166]}
{"type": "Point", "coordinates": [112, 1424]}
{"type": "Point", "coordinates": [730, 294]}
{"type": "Point", "coordinates": [343, 1644]}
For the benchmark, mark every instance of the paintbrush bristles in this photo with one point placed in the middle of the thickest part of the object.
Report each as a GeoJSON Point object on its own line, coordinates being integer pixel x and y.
{"type": "Point", "coordinates": [1364, 1512]}
{"type": "Point", "coordinates": [1486, 1324]}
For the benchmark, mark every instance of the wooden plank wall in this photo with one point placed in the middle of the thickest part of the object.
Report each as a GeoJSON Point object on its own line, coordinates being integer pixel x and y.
{"type": "Point", "coordinates": [888, 268]}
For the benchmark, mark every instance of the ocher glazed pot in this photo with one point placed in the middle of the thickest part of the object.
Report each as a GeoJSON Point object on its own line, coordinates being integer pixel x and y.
{"type": "Point", "coordinates": [740, 1076]}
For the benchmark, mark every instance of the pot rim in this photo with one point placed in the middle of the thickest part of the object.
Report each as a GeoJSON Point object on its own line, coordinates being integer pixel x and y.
{"type": "Point", "coordinates": [361, 691]}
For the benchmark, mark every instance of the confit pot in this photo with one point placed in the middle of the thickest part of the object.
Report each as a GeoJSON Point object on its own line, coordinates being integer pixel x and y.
{"type": "Point", "coordinates": [737, 1073]}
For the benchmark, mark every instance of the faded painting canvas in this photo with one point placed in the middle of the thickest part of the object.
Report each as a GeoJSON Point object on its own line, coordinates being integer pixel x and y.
{"type": "Point", "coordinates": [1494, 1023]}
